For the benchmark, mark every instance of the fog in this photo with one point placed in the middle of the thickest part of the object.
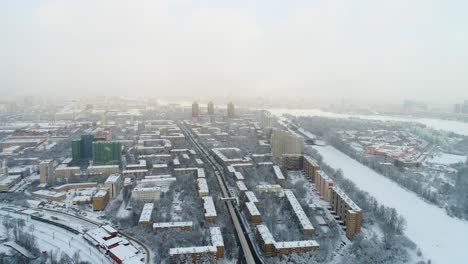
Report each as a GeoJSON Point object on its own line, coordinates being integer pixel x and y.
{"type": "Point", "coordinates": [374, 50]}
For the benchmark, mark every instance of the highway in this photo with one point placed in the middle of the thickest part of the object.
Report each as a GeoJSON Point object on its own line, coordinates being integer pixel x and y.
{"type": "Point", "coordinates": [243, 240]}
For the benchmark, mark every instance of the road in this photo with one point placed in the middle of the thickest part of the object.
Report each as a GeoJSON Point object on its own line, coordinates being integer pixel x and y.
{"type": "Point", "coordinates": [249, 257]}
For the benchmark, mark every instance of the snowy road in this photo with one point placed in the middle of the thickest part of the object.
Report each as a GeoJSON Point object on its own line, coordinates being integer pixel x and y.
{"type": "Point", "coordinates": [441, 238]}
{"type": "Point", "coordinates": [52, 238]}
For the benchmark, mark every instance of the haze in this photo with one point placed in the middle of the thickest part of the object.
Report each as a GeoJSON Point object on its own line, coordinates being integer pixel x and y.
{"type": "Point", "coordinates": [373, 50]}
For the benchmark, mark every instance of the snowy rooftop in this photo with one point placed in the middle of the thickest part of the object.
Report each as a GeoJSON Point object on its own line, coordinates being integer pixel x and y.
{"type": "Point", "coordinates": [159, 166]}
{"type": "Point", "coordinates": [296, 244]}
{"type": "Point", "coordinates": [269, 188]}
{"type": "Point", "coordinates": [192, 250]}
{"type": "Point", "coordinates": [127, 254]}
{"type": "Point", "coordinates": [216, 237]}
{"type": "Point", "coordinates": [311, 161]}
{"type": "Point", "coordinates": [146, 212]}
{"type": "Point", "coordinates": [202, 185]}
{"type": "Point", "coordinates": [103, 167]}
{"type": "Point", "coordinates": [238, 175]}
{"type": "Point", "coordinates": [231, 169]}
{"type": "Point", "coordinates": [158, 181]}
{"type": "Point", "coordinates": [265, 234]}
{"type": "Point", "coordinates": [101, 193]}
{"type": "Point", "coordinates": [172, 225]}
{"type": "Point", "coordinates": [113, 178]}
{"type": "Point", "coordinates": [209, 206]}
{"type": "Point", "coordinates": [142, 189]}
{"type": "Point", "coordinates": [49, 193]}
{"type": "Point", "coordinates": [297, 208]}
{"type": "Point", "coordinates": [251, 196]}
{"type": "Point", "coordinates": [241, 186]}
{"type": "Point", "coordinates": [201, 173]}
{"type": "Point", "coordinates": [253, 210]}
{"type": "Point", "coordinates": [278, 173]}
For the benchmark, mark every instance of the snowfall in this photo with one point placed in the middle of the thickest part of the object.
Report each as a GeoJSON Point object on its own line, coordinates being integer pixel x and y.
{"type": "Point", "coordinates": [442, 239]}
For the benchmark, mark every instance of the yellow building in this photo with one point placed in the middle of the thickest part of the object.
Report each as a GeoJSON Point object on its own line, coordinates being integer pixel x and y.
{"type": "Point", "coordinates": [100, 199]}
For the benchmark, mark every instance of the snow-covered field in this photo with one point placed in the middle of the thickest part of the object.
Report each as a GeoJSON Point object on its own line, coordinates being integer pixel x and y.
{"type": "Point", "coordinates": [52, 238]}
{"type": "Point", "coordinates": [442, 239]}
{"type": "Point", "coordinates": [439, 124]}
{"type": "Point", "coordinates": [447, 159]}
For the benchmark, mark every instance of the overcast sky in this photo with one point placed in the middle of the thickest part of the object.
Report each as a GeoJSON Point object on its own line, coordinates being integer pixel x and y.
{"type": "Point", "coordinates": [389, 49]}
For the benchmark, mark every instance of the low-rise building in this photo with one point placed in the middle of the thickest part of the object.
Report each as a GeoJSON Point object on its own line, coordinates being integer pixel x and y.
{"type": "Point", "coordinates": [100, 199]}
{"type": "Point", "coordinates": [210, 209]}
{"type": "Point", "coordinates": [202, 187]}
{"type": "Point", "coordinates": [114, 183]}
{"type": "Point", "coordinates": [301, 216]}
{"type": "Point", "coordinates": [187, 226]}
{"type": "Point", "coordinates": [145, 217]}
{"type": "Point", "coordinates": [253, 214]}
{"type": "Point", "coordinates": [146, 194]}
{"type": "Point", "coordinates": [269, 188]}
{"type": "Point", "coordinates": [271, 247]}
{"type": "Point", "coordinates": [7, 182]}
{"type": "Point", "coordinates": [49, 195]}
{"type": "Point", "coordinates": [104, 169]}
{"type": "Point", "coordinates": [63, 172]}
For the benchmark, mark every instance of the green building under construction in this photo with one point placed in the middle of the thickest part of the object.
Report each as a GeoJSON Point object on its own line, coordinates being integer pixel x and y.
{"type": "Point", "coordinates": [107, 153]}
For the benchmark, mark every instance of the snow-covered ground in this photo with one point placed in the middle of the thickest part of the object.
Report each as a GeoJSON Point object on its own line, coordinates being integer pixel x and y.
{"type": "Point", "coordinates": [447, 159]}
{"type": "Point", "coordinates": [442, 239]}
{"type": "Point", "coordinates": [439, 124]}
{"type": "Point", "coordinates": [52, 238]}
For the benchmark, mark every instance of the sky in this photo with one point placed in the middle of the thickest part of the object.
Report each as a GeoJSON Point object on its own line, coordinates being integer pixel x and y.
{"type": "Point", "coordinates": [366, 49]}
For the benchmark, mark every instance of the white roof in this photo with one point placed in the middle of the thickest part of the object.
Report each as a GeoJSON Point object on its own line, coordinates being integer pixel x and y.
{"type": "Point", "coordinates": [172, 225]}
{"type": "Point", "coordinates": [209, 206]}
{"type": "Point", "coordinates": [238, 175]}
{"type": "Point", "coordinates": [146, 212]}
{"type": "Point", "coordinates": [278, 172]}
{"type": "Point", "coordinates": [216, 237]}
{"type": "Point", "coordinates": [113, 178]}
{"type": "Point", "coordinates": [241, 186]}
{"type": "Point", "coordinates": [251, 196]}
{"type": "Point", "coordinates": [202, 185]}
{"type": "Point", "coordinates": [253, 210]}
{"type": "Point", "coordinates": [297, 208]}
{"type": "Point", "coordinates": [265, 234]}
{"type": "Point", "coordinates": [192, 250]}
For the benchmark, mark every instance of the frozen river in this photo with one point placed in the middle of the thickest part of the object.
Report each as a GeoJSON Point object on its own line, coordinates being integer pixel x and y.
{"type": "Point", "coordinates": [439, 124]}
{"type": "Point", "coordinates": [442, 239]}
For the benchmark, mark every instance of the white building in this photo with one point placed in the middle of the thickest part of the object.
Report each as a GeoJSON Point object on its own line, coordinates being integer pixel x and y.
{"type": "Point", "coordinates": [114, 183]}
{"type": "Point", "coordinates": [146, 194]}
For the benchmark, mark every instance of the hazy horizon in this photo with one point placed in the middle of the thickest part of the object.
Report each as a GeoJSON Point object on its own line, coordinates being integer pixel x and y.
{"type": "Point", "coordinates": [386, 50]}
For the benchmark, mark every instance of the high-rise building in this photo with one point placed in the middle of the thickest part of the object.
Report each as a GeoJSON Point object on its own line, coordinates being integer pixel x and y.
{"type": "Point", "coordinates": [230, 110]}
{"type": "Point", "coordinates": [87, 146]}
{"type": "Point", "coordinates": [195, 110]}
{"type": "Point", "coordinates": [76, 150]}
{"type": "Point", "coordinates": [107, 152]}
{"type": "Point", "coordinates": [210, 108]}
{"type": "Point", "coordinates": [284, 142]}
{"type": "Point", "coordinates": [46, 170]}
{"type": "Point", "coordinates": [82, 149]}
{"type": "Point", "coordinates": [464, 107]}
